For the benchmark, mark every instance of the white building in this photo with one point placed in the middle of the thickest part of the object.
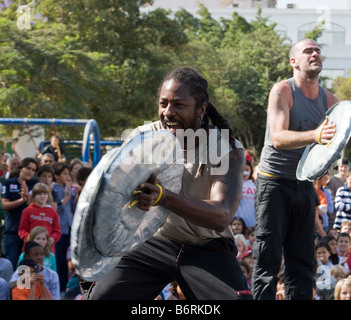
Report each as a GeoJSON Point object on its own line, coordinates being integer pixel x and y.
{"type": "Point", "coordinates": [294, 18]}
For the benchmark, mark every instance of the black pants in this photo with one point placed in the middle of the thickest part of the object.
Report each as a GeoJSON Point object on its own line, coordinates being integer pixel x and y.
{"type": "Point", "coordinates": [204, 272]}
{"type": "Point", "coordinates": [61, 248]}
{"type": "Point", "coordinates": [12, 246]}
{"type": "Point", "coordinates": [285, 219]}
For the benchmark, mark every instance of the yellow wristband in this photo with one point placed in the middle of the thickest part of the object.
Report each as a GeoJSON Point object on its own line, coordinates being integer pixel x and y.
{"type": "Point", "coordinates": [320, 135]}
{"type": "Point", "coordinates": [160, 194]}
{"type": "Point", "coordinates": [133, 203]}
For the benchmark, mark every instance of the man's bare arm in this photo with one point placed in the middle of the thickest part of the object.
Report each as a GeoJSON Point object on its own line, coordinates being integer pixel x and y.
{"type": "Point", "coordinates": [215, 213]}
{"type": "Point", "coordinates": [279, 104]}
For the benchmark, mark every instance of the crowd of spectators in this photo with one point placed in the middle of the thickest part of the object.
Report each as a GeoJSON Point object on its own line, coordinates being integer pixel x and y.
{"type": "Point", "coordinates": [38, 200]}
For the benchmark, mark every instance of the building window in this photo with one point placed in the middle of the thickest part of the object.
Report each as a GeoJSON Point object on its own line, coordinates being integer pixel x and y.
{"type": "Point", "coordinates": [281, 30]}
{"type": "Point", "coordinates": [332, 34]}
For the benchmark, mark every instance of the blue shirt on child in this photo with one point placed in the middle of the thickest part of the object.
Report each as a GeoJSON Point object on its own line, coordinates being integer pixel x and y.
{"type": "Point", "coordinates": [65, 211]}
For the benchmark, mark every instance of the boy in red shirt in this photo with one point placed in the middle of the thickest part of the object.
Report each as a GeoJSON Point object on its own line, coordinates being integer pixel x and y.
{"type": "Point", "coordinates": [39, 213]}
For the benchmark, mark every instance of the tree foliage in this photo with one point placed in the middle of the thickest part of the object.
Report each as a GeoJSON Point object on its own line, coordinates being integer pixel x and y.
{"type": "Point", "coordinates": [104, 59]}
{"type": "Point", "coordinates": [342, 89]}
{"type": "Point", "coordinates": [342, 86]}
{"type": "Point", "coordinates": [91, 59]}
{"type": "Point", "coordinates": [242, 61]}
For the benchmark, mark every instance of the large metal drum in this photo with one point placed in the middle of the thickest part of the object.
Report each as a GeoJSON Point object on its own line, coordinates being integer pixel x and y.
{"type": "Point", "coordinates": [104, 228]}
{"type": "Point", "coordinates": [317, 158]}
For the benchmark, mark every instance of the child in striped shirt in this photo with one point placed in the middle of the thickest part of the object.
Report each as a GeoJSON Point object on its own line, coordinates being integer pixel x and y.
{"type": "Point", "coordinates": [343, 204]}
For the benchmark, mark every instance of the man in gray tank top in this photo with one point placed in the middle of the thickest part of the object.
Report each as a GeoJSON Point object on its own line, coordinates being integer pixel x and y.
{"type": "Point", "coordinates": [285, 207]}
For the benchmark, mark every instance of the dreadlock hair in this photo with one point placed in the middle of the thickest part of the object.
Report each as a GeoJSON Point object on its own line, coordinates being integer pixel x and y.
{"type": "Point", "coordinates": [198, 88]}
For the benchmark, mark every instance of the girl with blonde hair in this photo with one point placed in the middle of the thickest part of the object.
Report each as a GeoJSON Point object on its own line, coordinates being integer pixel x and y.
{"type": "Point", "coordinates": [240, 243]}
{"type": "Point", "coordinates": [342, 290]}
{"type": "Point", "coordinates": [40, 235]}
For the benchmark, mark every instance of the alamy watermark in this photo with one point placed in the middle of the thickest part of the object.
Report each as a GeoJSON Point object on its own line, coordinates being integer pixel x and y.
{"type": "Point", "coordinates": [25, 15]}
{"type": "Point", "coordinates": [23, 281]}
{"type": "Point", "coordinates": [28, 14]}
{"type": "Point", "coordinates": [325, 17]}
{"type": "Point", "coordinates": [201, 147]}
{"type": "Point", "coordinates": [324, 278]}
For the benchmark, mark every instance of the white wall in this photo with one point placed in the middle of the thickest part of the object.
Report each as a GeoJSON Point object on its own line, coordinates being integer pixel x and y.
{"type": "Point", "coordinates": [25, 147]}
{"type": "Point", "coordinates": [311, 4]}
{"type": "Point", "coordinates": [289, 20]}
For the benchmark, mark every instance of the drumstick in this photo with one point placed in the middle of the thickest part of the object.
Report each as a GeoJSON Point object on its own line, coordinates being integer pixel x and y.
{"type": "Point", "coordinates": [133, 203]}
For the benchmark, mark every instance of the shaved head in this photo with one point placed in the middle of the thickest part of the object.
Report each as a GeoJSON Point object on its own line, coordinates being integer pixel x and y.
{"type": "Point", "coordinates": [305, 58]}
{"type": "Point", "coordinates": [295, 48]}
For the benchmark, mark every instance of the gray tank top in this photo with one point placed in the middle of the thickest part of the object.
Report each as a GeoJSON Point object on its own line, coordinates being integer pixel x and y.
{"type": "Point", "coordinates": [306, 114]}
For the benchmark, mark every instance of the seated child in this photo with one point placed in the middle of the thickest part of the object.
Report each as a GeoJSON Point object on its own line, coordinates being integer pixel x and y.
{"type": "Point", "coordinates": [35, 289]}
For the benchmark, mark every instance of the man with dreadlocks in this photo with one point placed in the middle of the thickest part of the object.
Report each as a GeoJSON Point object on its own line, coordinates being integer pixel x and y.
{"type": "Point", "coordinates": [195, 246]}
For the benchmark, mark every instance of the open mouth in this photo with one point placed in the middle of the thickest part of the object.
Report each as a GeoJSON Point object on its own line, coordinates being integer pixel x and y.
{"type": "Point", "coordinates": [173, 126]}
